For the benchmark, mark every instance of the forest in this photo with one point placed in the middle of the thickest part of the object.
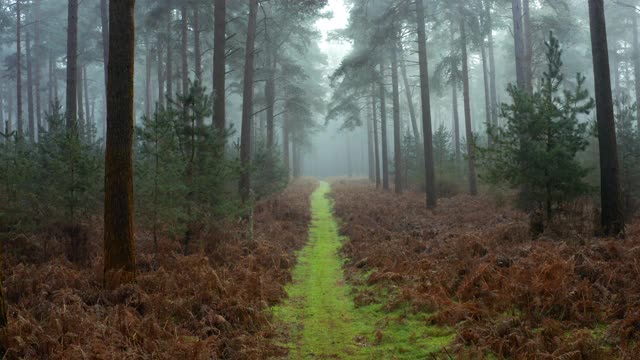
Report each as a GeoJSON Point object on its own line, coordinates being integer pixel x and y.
{"type": "Point", "coordinates": [319, 179]}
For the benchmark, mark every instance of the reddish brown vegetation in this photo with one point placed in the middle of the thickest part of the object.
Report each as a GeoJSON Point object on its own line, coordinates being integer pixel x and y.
{"type": "Point", "coordinates": [202, 306]}
{"type": "Point", "coordinates": [475, 267]}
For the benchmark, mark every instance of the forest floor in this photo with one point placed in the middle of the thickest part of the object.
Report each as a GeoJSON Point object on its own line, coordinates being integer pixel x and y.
{"type": "Point", "coordinates": [320, 316]}
{"type": "Point", "coordinates": [472, 265]}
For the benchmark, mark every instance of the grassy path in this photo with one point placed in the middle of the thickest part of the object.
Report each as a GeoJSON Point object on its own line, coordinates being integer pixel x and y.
{"type": "Point", "coordinates": [319, 317]}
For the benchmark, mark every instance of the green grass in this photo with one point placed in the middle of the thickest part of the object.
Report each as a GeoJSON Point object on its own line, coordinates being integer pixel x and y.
{"type": "Point", "coordinates": [320, 318]}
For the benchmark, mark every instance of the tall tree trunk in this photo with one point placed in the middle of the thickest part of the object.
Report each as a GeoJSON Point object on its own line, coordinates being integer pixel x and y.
{"type": "Point", "coordinates": [247, 103]}
{"type": "Point", "coordinates": [285, 140]}
{"type": "Point", "coordinates": [492, 67]}
{"type": "Point", "coordinates": [487, 97]}
{"type": "Point", "coordinates": [427, 133]}
{"type": "Point", "coordinates": [375, 134]}
{"type": "Point", "coordinates": [50, 83]}
{"type": "Point", "coordinates": [185, 49]}
{"type": "Point", "coordinates": [610, 192]}
{"type": "Point", "coordinates": [119, 254]}
{"type": "Point", "coordinates": [615, 67]}
{"type": "Point", "coordinates": [409, 96]}
{"type": "Point", "coordinates": [160, 68]}
{"type": "Point", "coordinates": [37, 67]}
{"type": "Point", "coordinates": [89, 120]}
{"type": "Point", "coordinates": [104, 21]}
{"type": "Point", "coordinates": [197, 48]}
{"type": "Point", "coordinates": [30, 110]}
{"type": "Point", "coordinates": [147, 77]}
{"type": "Point", "coordinates": [473, 186]}
{"type": "Point", "coordinates": [528, 46]}
{"type": "Point", "coordinates": [383, 125]}
{"type": "Point", "coordinates": [219, 67]}
{"type": "Point", "coordinates": [19, 121]}
{"type": "Point", "coordinates": [270, 95]}
{"type": "Point", "coordinates": [397, 145]}
{"type": "Point", "coordinates": [370, 155]}
{"type": "Point", "coordinates": [454, 99]}
{"type": "Point", "coordinates": [636, 60]}
{"type": "Point", "coordinates": [169, 47]}
{"type": "Point", "coordinates": [521, 77]}
{"type": "Point", "coordinates": [80, 98]}
{"type": "Point", "coordinates": [72, 66]}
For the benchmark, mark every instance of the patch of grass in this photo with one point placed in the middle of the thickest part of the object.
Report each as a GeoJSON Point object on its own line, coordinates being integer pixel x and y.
{"type": "Point", "coordinates": [320, 316]}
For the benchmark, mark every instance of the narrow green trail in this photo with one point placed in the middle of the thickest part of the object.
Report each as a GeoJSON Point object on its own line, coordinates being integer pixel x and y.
{"type": "Point", "coordinates": [319, 318]}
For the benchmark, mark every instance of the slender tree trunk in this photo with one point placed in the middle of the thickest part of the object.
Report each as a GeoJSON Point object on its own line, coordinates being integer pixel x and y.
{"type": "Point", "coordinates": [169, 47]}
{"type": "Point", "coordinates": [528, 46]}
{"type": "Point", "coordinates": [285, 140]}
{"type": "Point", "coordinates": [30, 110]}
{"type": "Point", "coordinates": [615, 67]}
{"type": "Point", "coordinates": [412, 108]}
{"type": "Point", "coordinates": [196, 44]}
{"type": "Point", "coordinates": [397, 145]}
{"type": "Point", "coordinates": [19, 121]}
{"type": "Point", "coordinates": [160, 68]}
{"type": "Point", "coordinates": [50, 83]}
{"type": "Point", "coordinates": [147, 78]}
{"type": "Point", "coordinates": [88, 120]}
{"type": "Point", "coordinates": [219, 67]}
{"type": "Point", "coordinates": [72, 66]}
{"type": "Point", "coordinates": [636, 60]}
{"type": "Point", "coordinates": [454, 101]}
{"type": "Point", "coordinates": [80, 98]}
{"type": "Point", "coordinates": [185, 49]}
{"type": "Point", "coordinates": [521, 77]}
{"type": "Point", "coordinates": [104, 21]}
{"type": "Point", "coordinates": [375, 134]}
{"type": "Point", "coordinates": [119, 254]}
{"type": "Point", "coordinates": [270, 94]}
{"type": "Point", "coordinates": [37, 67]}
{"type": "Point", "coordinates": [610, 192]}
{"type": "Point", "coordinates": [430, 175]}
{"type": "Point", "coordinates": [383, 125]}
{"type": "Point", "coordinates": [473, 186]}
{"type": "Point", "coordinates": [247, 103]}
{"type": "Point", "coordinates": [370, 154]}
{"type": "Point", "coordinates": [487, 97]}
{"type": "Point", "coordinates": [492, 68]}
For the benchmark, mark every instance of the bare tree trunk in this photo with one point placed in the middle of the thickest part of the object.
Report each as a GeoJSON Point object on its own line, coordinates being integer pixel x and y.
{"type": "Point", "coordinates": [104, 21]}
{"type": "Point", "coordinates": [50, 83]}
{"type": "Point", "coordinates": [37, 68]}
{"type": "Point", "coordinates": [473, 186]}
{"type": "Point", "coordinates": [119, 254]}
{"type": "Point", "coordinates": [88, 120]}
{"type": "Point", "coordinates": [409, 96]}
{"type": "Point", "coordinates": [521, 77]}
{"type": "Point", "coordinates": [375, 134]}
{"type": "Point", "coordinates": [147, 78]}
{"type": "Point", "coordinates": [72, 66]}
{"type": "Point", "coordinates": [20, 123]}
{"type": "Point", "coordinates": [247, 103]}
{"type": "Point", "coordinates": [196, 44]}
{"type": "Point", "coordinates": [397, 138]}
{"type": "Point", "coordinates": [219, 67]}
{"type": "Point", "coordinates": [610, 192]}
{"type": "Point", "coordinates": [30, 110]}
{"type": "Point", "coordinates": [285, 140]}
{"type": "Point", "coordinates": [185, 49]}
{"type": "Point", "coordinates": [383, 125]}
{"type": "Point", "coordinates": [370, 154]}
{"type": "Point", "coordinates": [160, 68]}
{"type": "Point", "coordinates": [430, 175]}
{"type": "Point", "coordinates": [487, 97]}
{"type": "Point", "coordinates": [636, 60]}
{"type": "Point", "coordinates": [454, 101]}
{"type": "Point", "coordinates": [528, 46]}
{"type": "Point", "coordinates": [169, 78]}
{"type": "Point", "coordinates": [80, 98]}
{"type": "Point", "coordinates": [270, 94]}
{"type": "Point", "coordinates": [492, 68]}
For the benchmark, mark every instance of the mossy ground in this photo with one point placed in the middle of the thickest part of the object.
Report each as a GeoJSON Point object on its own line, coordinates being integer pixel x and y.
{"type": "Point", "coordinates": [320, 319]}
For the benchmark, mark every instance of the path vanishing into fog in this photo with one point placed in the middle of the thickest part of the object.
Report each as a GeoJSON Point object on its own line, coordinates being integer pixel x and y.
{"type": "Point", "coordinates": [319, 319]}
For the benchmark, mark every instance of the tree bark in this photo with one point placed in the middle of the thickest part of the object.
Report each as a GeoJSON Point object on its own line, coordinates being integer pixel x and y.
{"type": "Point", "coordinates": [185, 49]}
{"type": "Point", "coordinates": [370, 154]}
{"type": "Point", "coordinates": [285, 140]}
{"type": "Point", "coordinates": [30, 110]}
{"type": "Point", "coordinates": [487, 97]}
{"type": "Point", "coordinates": [196, 44]}
{"type": "Point", "coordinates": [37, 68]}
{"type": "Point", "coordinates": [427, 133]}
{"type": "Point", "coordinates": [636, 60]}
{"type": "Point", "coordinates": [80, 98]}
{"type": "Point", "coordinates": [147, 78]}
{"type": "Point", "coordinates": [270, 95]}
{"type": "Point", "coordinates": [610, 192]}
{"type": "Point", "coordinates": [409, 96]}
{"type": "Point", "coordinates": [169, 78]}
{"type": "Point", "coordinates": [160, 68]}
{"type": "Point", "coordinates": [383, 125]}
{"type": "Point", "coordinates": [492, 68]}
{"type": "Point", "coordinates": [375, 135]}
{"type": "Point", "coordinates": [104, 21]}
{"type": "Point", "coordinates": [397, 138]}
{"type": "Point", "coordinates": [521, 77]}
{"type": "Point", "coordinates": [219, 67]}
{"type": "Point", "coordinates": [19, 121]}
{"type": "Point", "coordinates": [72, 66]}
{"type": "Point", "coordinates": [473, 186]}
{"type": "Point", "coordinates": [247, 104]}
{"type": "Point", "coordinates": [119, 258]}
{"type": "Point", "coordinates": [454, 100]}
{"type": "Point", "coordinates": [87, 109]}
{"type": "Point", "coordinates": [528, 46]}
